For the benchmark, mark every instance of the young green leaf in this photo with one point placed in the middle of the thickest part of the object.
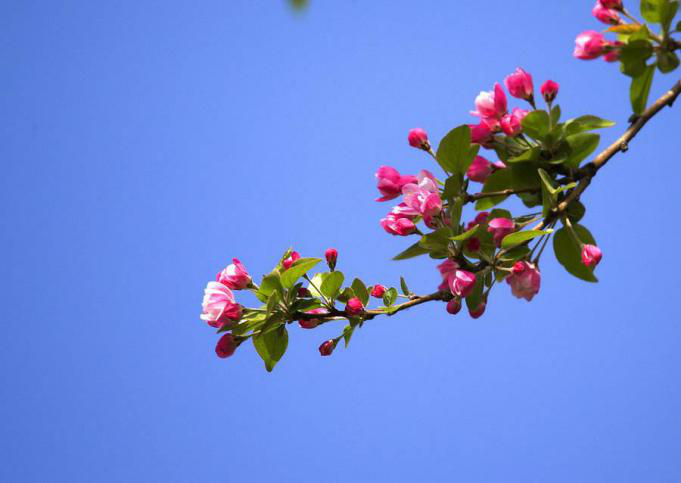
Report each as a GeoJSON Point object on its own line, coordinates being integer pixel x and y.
{"type": "Point", "coordinates": [581, 146]}
{"type": "Point", "coordinates": [586, 123]}
{"type": "Point", "coordinates": [454, 151]}
{"type": "Point", "coordinates": [633, 56]}
{"type": "Point", "coordinates": [299, 268]}
{"type": "Point", "coordinates": [390, 296]}
{"type": "Point", "coordinates": [331, 284]}
{"type": "Point", "coordinates": [360, 290]}
{"type": "Point", "coordinates": [269, 284]}
{"type": "Point", "coordinates": [413, 251]}
{"type": "Point", "coordinates": [568, 252]}
{"type": "Point", "coordinates": [521, 237]}
{"type": "Point", "coordinates": [536, 124]}
{"type": "Point", "coordinates": [640, 89]}
{"type": "Point", "coordinates": [466, 235]}
{"type": "Point", "coordinates": [271, 346]}
{"type": "Point", "coordinates": [347, 334]}
{"type": "Point", "coordinates": [403, 286]}
{"type": "Point", "coordinates": [529, 155]}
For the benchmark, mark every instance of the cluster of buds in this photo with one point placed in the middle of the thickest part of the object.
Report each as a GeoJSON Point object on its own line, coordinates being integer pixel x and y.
{"type": "Point", "coordinates": [591, 44]}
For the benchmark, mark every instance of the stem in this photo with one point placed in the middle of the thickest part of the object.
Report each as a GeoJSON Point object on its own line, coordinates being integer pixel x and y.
{"type": "Point", "coordinates": [328, 304]}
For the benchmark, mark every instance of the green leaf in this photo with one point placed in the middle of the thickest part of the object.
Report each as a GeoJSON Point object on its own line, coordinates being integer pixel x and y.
{"type": "Point", "coordinates": [536, 124]}
{"type": "Point", "coordinates": [269, 284]}
{"type": "Point", "coordinates": [437, 240]}
{"type": "Point", "coordinates": [497, 181]}
{"type": "Point", "coordinates": [390, 296]}
{"type": "Point", "coordinates": [575, 211]}
{"type": "Point", "coordinates": [651, 10]}
{"type": "Point", "coordinates": [466, 235]}
{"type": "Point", "coordinates": [555, 114]}
{"type": "Point", "coordinates": [667, 14]}
{"type": "Point", "coordinates": [529, 155]}
{"type": "Point", "coordinates": [586, 123]}
{"type": "Point", "coordinates": [667, 61]}
{"type": "Point", "coordinates": [452, 186]}
{"type": "Point", "coordinates": [299, 268]}
{"type": "Point", "coordinates": [271, 346]}
{"type": "Point", "coordinates": [360, 290]}
{"type": "Point", "coordinates": [515, 254]}
{"type": "Point", "coordinates": [581, 146]}
{"type": "Point", "coordinates": [403, 286]}
{"type": "Point", "coordinates": [549, 192]}
{"type": "Point", "coordinates": [640, 89]}
{"type": "Point", "coordinates": [569, 254]}
{"type": "Point", "coordinates": [633, 56]}
{"type": "Point", "coordinates": [454, 151]}
{"type": "Point", "coordinates": [347, 334]}
{"type": "Point", "coordinates": [521, 237]}
{"type": "Point", "coordinates": [331, 284]}
{"type": "Point", "coordinates": [475, 298]}
{"type": "Point", "coordinates": [413, 251]}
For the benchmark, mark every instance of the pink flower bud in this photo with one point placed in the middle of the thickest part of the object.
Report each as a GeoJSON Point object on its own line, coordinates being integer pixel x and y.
{"type": "Point", "coordinates": [397, 225]}
{"type": "Point", "coordinates": [606, 15]}
{"type": "Point", "coordinates": [378, 291]}
{"type": "Point", "coordinates": [286, 264]}
{"type": "Point", "coordinates": [354, 306]}
{"type": "Point", "coordinates": [612, 51]}
{"type": "Point", "coordinates": [418, 138]}
{"type": "Point", "coordinates": [326, 349]}
{"type": "Point", "coordinates": [304, 293]}
{"type": "Point", "coordinates": [235, 276]}
{"type": "Point", "coordinates": [390, 182]}
{"type": "Point", "coordinates": [591, 255]}
{"type": "Point", "coordinates": [525, 280]}
{"type": "Point", "coordinates": [479, 219]}
{"type": "Point", "coordinates": [219, 306]}
{"type": "Point", "coordinates": [491, 105]}
{"type": "Point", "coordinates": [549, 90]}
{"type": "Point", "coordinates": [616, 4]}
{"type": "Point", "coordinates": [473, 244]}
{"type": "Point", "coordinates": [226, 346]}
{"type": "Point", "coordinates": [479, 170]}
{"type": "Point", "coordinates": [331, 255]}
{"type": "Point", "coordinates": [481, 134]}
{"type": "Point", "coordinates": [312, 323]}
{"type": "Point", "coordinates": [447, 268]}
{"type": "Point", "coordinates": [519, 84]}
{"type": "Point", "coordinates": [461, 283]}
{"type": "Point", "coordinates": [477, 313]}
{"type": "Point", "coordinates": [454, 306]}
{"type": "Point", "coordinates": [499, 228]}
{"type": "Point", "coordinates": [589, 45]}
{"type": "Point", "coordinates": [424, 195]}
{"type": "Point", "coordinates": [511, 123]}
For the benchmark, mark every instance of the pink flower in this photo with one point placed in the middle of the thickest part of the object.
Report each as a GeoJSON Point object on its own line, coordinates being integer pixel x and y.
{"type": "Point", "coordinates": [331, 255]}
{"type": "Point", "coordinates": [491, 105]}
{"type": "Point", "coordinates": [378, 291]}
{"type": "Point", "coordinates": [326, 349]}
{"type": "Point", "coordinates": [424, 196]}
{"type": "Point", "coordinates": [461, 283]}
{"type": "Point", "coordinates": [606, 15]}
{"type": "Point", "coordinates": [499, 228]}
{"type": "Point", "coordinates": [418, 138]}
{"type": "Point", "coordinates": [616, 4]}
{"type": "Point", "coordinates": [219, 306]}
{"type": "Point", "coordinates": [549, 90]}
{"type": "Point", "coordinates": [312, 323]}
{"type": "Point", "coordinates": [479, 170]}
{"type": "Point", "coordinates": [286, 264]}
{"type": "Point", "coordinates": [398, 225]}
{"type": "Point", "coordinates": [477, 313]}
{"type": "Point", "coordinates": [390, 182]}
{"type": "Point", "coordinates": [354, 306]}
{"type": "Point", "coordinates": [481, 134]}
{"type": "Point", "coordinates": [447, 268]}
{"type": "Point", "coordinates": [519, 84]}
{"type": "Point", "coordinates": [235, 276]}
{"type": "Point", "coordinates": [591, 255]}
{"type": "Point", "coordinates": [524, 280]}
{"type": "Point", "coordinates": [589, 45]}
{"type": "Point", "coordinates": [480, 218]}
{"type": "Point", "coordinates": [226, 346]}
{"type": "Point", "coordinates": [612, 51]}
{"type": "Point", "coordinates": [511, 123]}
{"type": "Point", "coordinates": [454, 306]}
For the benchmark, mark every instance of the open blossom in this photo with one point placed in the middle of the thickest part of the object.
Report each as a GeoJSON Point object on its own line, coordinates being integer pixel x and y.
{"type": "Point", "coordinates": [226, 346]}
{"type": "Point", "coordinates": [331, 255]}
{"type": "Point", "coordinates": [481, 134]}
{"type": "Point", "coordinates": [312, 323]}
{"type": "Point", "coordinates": [549, 90]}
{"type": "Point", "coordinates": [612, 52]}
{"type": "Point", "coordinates": [219, 306]}
{"type": "Point", "coordinates": [286, 264]}
{"type": "Point", "coordinates": [606, 15]}
{"type": "Point", "coordinates": [398, 225]}
{"type": "Point", "coordinates": [511, 123]}
{"type": "Point", "coordinates": [446, 268]}
{"type": "Point", "coordinates": [500, 228]}
{"type": "Point", "coordinates": [589, 45]}
{"type": "Point", "coordinates": [418, 138]}
{"type": "Point", "coordinates": [423, 196]}
{"type": "Point", "coordinates": [591, 255]}
{"type": "Point", "coordinates": [524, 280]}
{"type": "Point", "coordinates": [378, 291]}
{"type": "Point", "coordinates": [326, 349]}
{"type": "Point", "coordinates": [235, 276]}
{"type": "Point", "coordinates": [454, 306]}
{"type": "Point", "coordinates": [461, 283]}
{"type": "Point", "coordinates": [479, 170]}
{"type": "Point", "coordinates": [491, 107]}
{"type": "Point", "coordinates": [519, 84]}
{"type": "Point", "coordinates": [354, 306]}
{"type": "Point", "coordinates": [390, 182]}
{"type": "Point", "coordinates": [477, 312]}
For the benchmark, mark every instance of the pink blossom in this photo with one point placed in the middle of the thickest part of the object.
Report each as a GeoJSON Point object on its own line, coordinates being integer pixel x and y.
{"type": "Point", "coordinates": [481, 134]}
{"type": "Point", "coordinates": [461, 283]}
{"type": "Point", "coordinates": [499, 228]}
{"type": "Point", "coordinates": [549, 90]}
{"type": "Point", "coordinates": [589, 45]}
{"type": "Point", "coordinates": [454, 306]}
{"type": "Point", "coordinates": [524, 280]}
{"type": "Point", "coordinates": [477, 313]}
{"type": "Point", "coordinates": [418, 138]}
{"type": "Point", "coordinates": [378, 291]}
{"type": "Point", "coordinates": [613, 50]}
{"type": "Point", "coordinates": [235, 276]}
{"type": "Point", "coordinates": [326, 349]}
{"type": "Point", "coordinates": [226, 346]}
{"type": "Point", "coordinates": [606, 15]}
{"type": "Point", "coordinates": [616, 4]}
{"type": "Point", "coordinates": [511, 123]}
{"type": "Point", "coordinates": [390, 182]}
{"type": "Point", "coordinates": [519, 84]}
{"type": "Point", "coordinates": [312, 323]}
{"type": "Point", "coordinates": [219, 306]}
{"type": "Point", "coordinates": [447, 268]}
{"type": "Point", "coordinates": [479, 170]}
{"type": "Point", "coordinates": [479, 219]}
{"type": "Point", "coordinates": [423, 196]}
{"type": "Point", "coordinates": [354, 306]}
{"type": "Point", "coordinates": [398, 225]}
{"type": "Point", "coordinates": [331, 255]}
{"type": "Point", "coordinates": [491, 106]}
{"type": "Point", "coordinates": [286, 264]}
{"type": "Point", "coordinates": [591, 255]}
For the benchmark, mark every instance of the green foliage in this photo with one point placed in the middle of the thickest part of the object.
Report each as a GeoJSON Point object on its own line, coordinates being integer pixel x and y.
{"type": "Point", "coordinates": [568, 252]}
{"type": "Point", "coordinates": [521, 237]}
{"type": "Point", "coordinates": [536, 124]}
{"type": "Point", "coordinates": [640, 89]}
{"type": "Point", "coordinates": [271, 346]}
{"type": "Point", "coordinates": [360, 291]}
{"type": "Point", "coordinates": [413, 251]}
{"type": "Point", "coordinates": [455, 152]}
{"type": "Point", "coordinates": [299, 268]}
{"type": "Point", "coordinates": [390, 296]}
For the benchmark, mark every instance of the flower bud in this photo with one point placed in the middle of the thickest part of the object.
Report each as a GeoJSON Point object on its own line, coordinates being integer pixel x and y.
{"type": "Point", "coordinates": [286, 264]}
{"type": "Point", "coordinates": [331, 255]}
{"type": "Point", "coordinates": [616, 4]}
{"type": "Point", "coordinates": [219, 307]}
{"type": "Point", "coordinates": [390, 182]}
{"type": "Point", "coordinates": [312, 323]}
{"type": "Point", "coordinates": [612, 51]}
{"type": "Point", "coordinates": [519, 84]}
{"type": "Point", "coordinates": [477, 313]}
{"type": "Point", "coordinates": [481, 134]}
{"type": "Point", "coordinates": [235, 276]}
{"type": "Point", "coordinates": [549, 90]}
{"type": "Point", "coordinates": [511, 124]}
{"type": "Point", "coordinates": [461, 283]}
{"type": "Point", "coordinates": [378, 291]}
{"type": "Point", "coordinates": [354, 306]}
{"type": "Point", "coordinates": [591, 255]}
{"type": "Point", "coordinates": [454, 306]}
{"type": "Point", "coordinates": [589, 45]}
{"type": "Point", "coordinates": [479, 170]}
{"type": "Point", "coordinates": [226, 346]}
{"type": "Point", "coordinates": [473, 244]}
{"type": "Point", "coordinates": [524, 280]}
{"type": "Point", "coordinates": [397, 225]}
{"type": "Point", "coordinates": [499, 228]}
{"type": "Point", "coordinates": [418, 138]}
{"type": "Point", "coordinates": [326, 349]}
{"type": "Point", "coordinates": [304, 292]}
{"type": "Point", "coordinates": [606, 15]}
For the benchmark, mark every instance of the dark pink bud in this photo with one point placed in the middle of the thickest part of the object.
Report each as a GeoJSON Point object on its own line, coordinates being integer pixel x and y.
{"type": "Point", "coordinates": [589, 45]}
{"type": "Point", "coordinates": [616, 4]}
{"type": "Point", "coordinates": [378, 291]}
{"type": "Point", "coordinates": [549, 90]}
{"type": "Point", "coordinates": [235, 276]}
{"type": "Point", "coordinates": [519, 84]}
{"type": "Point", "coordinates": [591, 255]}
{"type": "Point", "coordinates": [499, 228]}
{"type": "Point", "coordinates": [524, 280]}
{"type": "Point", "coordinates": [390, 182]}
{"type": "Point", "coordinates": [312, 323]}
{"type": "Point", "coordinates": [326, 349]}
{"type": "Point", "coordinates": [473, 244]}
{"type": "Point", "coordinates": [286, 264]}
{"type": "Point", "coordinates": [354, 306]}
{"type": "Point", "coordinates": [331, 255]}
{"type": "Point", "coordinates": [303, 292]}
{"type": "Point", "coordinates": [226, 346]}
{"type": "Point", "coordinates": [479, 170]}
{"type": "Point", "coordinates": [477, 313]}
{"type": "Point", "coordinates": [612, 51]}
{"type": "Point", "coordinates": [606, 15]}
{"type": "Point", "coordinates": [454, 306]}
{"type": "Point", "coordinates": [418, 138]}
{"type": "Point", "coordinates": [461, 283]}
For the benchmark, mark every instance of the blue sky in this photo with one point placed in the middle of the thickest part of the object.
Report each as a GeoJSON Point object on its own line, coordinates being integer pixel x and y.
{"type": "Point", "coordinates": [145, 144]}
